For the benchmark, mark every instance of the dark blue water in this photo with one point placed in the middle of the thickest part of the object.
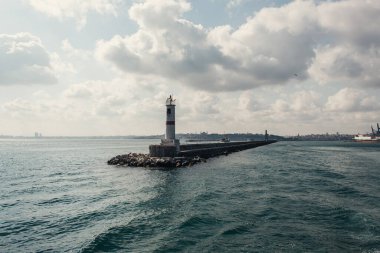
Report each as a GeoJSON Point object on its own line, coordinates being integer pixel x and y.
{"type": "Point", "coordinates": [59, 196]}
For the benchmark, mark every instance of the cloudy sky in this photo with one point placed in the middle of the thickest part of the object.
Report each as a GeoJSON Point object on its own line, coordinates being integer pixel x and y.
{"type": "Point", "coordinates": [105, 67]}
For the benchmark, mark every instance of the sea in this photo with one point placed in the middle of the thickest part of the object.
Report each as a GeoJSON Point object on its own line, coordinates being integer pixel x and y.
{"type": "Point", "coordinates": [59, 195]}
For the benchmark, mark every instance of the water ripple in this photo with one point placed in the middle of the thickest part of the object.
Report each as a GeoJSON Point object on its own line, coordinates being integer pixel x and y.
{"type": "Point", "coordinates": [285, 197]}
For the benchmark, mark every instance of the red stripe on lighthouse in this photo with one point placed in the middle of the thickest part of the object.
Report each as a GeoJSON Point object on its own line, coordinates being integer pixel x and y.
{"type": "Point", "coordinates": [170, 122]}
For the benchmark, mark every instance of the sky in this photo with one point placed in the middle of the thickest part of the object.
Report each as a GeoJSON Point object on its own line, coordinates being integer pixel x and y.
{"type": "Point", "coordinates": [106, 67]}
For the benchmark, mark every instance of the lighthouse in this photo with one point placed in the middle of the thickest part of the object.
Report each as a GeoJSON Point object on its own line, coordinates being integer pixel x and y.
{"type": "Point", "coordinates": [169, 146]}
{"type": "Point", "coordinates": [170, 118]}
{"type": "Point", "coordinates": [174, 153]}
{"type": "Point", "coordinates": [170, 142]}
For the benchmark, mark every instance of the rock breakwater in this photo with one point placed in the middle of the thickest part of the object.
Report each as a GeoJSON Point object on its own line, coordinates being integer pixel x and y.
{"type": "Point", "coordinates": [144, 160]}
{"type": "Point", "coordinates": [188, 155]}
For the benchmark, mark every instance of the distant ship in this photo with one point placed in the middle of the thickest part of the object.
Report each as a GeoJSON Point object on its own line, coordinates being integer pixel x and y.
{"type": "Point", "coordinates": [374, 137]}
{"type": "Point", "coordinates": [365, 138]}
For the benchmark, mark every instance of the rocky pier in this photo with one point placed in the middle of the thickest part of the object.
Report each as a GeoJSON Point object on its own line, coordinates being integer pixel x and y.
{"type": "Point", "coordinates": [145, 160]}
{"type": "Point", "coordinates": [189, 155]}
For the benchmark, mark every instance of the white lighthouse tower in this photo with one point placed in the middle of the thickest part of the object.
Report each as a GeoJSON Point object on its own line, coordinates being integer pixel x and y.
{"type": "Point", "coordinates": [170, 118]}
{"type": "Point", "coordinates": [170, 124]}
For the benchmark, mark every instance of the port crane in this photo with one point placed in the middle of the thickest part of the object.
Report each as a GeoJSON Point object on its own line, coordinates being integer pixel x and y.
{"type": "Point", "coordinates": [376, 133]}
{"type": "Point", "coordinates": [375, 136]}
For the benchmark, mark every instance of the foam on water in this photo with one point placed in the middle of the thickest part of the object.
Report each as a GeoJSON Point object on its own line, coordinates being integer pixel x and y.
{"type": "Point", "coordinates": [59, 195]}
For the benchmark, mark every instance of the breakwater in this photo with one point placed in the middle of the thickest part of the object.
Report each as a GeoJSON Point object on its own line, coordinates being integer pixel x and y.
{"type": "Point", "coordinates": [188, 155]}
{"type": "Point", "coordinates": [144, 160]}
{"type": "Point", "coordinates": [206, 150]}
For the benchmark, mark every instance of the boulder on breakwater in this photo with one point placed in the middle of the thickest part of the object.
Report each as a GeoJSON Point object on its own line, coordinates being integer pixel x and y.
{"type": "Point", "coordinates": [144, 160]}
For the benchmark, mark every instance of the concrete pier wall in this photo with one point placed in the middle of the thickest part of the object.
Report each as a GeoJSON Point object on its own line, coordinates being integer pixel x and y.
{"type": "Point", "coordinates": [163, 151]}
{"type": "Point", "coordinates": [204, 150]}
{"type": "Point", "coordinates": [215, 149]}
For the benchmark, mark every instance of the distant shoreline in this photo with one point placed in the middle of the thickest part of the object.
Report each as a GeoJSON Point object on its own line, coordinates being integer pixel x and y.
{"type": "Point", "coordinates": [78, 137]}
{"type": "Point", "coordinates": [203, 137]}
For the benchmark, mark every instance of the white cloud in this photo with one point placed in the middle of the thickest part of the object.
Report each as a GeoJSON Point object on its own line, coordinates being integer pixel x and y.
{"type": "Point", "coordinates": [72, 52]}
{"type": "Point", "coordinates": [24, 60]}
{"type": "Point", "coordinates": [135, 105]}
{"type": "Point", "coordinates": [18, 106]}
{"type": "Point", "coordinates": [61, 67]}
{"type": "Point", "coordinates": [248, 100]}
{"type": "Point", "coordinates": [352, 100]}
{"type": "Point", "coordinates": [233, 3]}
{"type": "Point", "coordinates": [301, 106]}
{"type": "Point", "coordinates": [352, 21]}
{"type": "Point", "coordinates": [223, 77]}
{"type": "Point", "coordinates": [78, 91]}
{"type": "Point", "coordinates": [94, 108]}
{"type": "Point", "coordinates": [280, 44]}
{"type": "Point", "coordinates": [76, 9]}
{"type": "Point", "coordinates": [345, 63]}
{"type": "Point", "coordinates": [158, 14]}
{"type": "Point", "coordinates": [304, 101]}
{"type": "Point", "coordinates": [167, 45]}
{"type": "Point", "coordinates": [351, 52]}
{"type": "Point", "coordinates": [78, 65]}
